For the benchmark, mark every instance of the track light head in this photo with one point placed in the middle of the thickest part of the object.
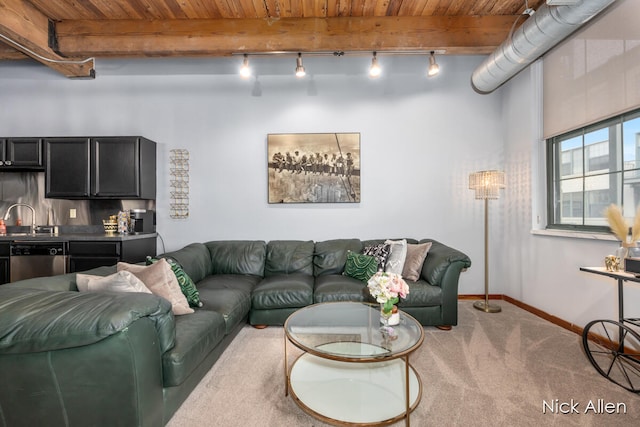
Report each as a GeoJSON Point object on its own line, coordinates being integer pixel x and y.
{"type": "Point", "coordinates": [375, 69]}
{"type": "Point", "coordinates": [245, 71]}
{"type": "Point", "coordinates": [434, 68]}
{"type": "Point", "coordinates": [300, 72]}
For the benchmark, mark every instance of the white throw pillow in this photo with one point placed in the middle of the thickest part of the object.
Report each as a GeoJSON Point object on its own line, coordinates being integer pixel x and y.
{"type": "Point", "coordinates": [395, 262]}
{"type": "Point", "coordinates": [122, 281]}
{"type": "Point", "coordinates": [161, 281]}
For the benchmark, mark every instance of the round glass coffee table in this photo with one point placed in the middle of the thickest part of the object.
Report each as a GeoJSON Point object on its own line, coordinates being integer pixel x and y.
{"type": "Point", "coordinates": [353, 370]}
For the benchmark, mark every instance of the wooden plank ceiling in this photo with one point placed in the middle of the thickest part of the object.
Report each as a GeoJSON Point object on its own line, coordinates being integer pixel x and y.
{"type": "Point", "coordinates": [51, 31]}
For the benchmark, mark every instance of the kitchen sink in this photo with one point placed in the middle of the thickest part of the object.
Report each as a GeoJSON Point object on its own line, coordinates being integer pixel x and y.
{"type": "Point", "coordinates": [25, 230]}
{"type": "Point", "coordinates": [16, 230]}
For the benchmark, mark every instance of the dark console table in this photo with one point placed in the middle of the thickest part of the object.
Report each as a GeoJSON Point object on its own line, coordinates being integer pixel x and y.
{"type": "Point", "coordinates": [613, 346]}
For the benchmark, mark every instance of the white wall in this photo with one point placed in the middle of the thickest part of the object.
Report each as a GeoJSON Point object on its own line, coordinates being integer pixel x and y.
{"type": "Point", "coordinates": [420, 138]}
{"type": "Point", "coordinates": [543, 270]}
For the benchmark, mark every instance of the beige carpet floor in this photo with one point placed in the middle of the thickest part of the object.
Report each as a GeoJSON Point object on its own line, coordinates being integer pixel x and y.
{"type": "Point", "coordinates": [492, 369]}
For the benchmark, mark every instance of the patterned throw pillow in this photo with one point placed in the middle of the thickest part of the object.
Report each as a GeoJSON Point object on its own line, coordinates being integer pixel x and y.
{"type": "Point", "coordinates": [360, 267]}
{"type": "Point", "coordinates": [187, 286]}
{"type": "Point", "coordinates": [395, 263]}
{"type": "Point", "coordinates": [380, 252]}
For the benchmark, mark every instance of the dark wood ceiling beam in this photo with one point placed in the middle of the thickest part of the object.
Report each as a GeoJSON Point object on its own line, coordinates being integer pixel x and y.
{"type": "Point", "coordinates": [218, 37]}
{"type": "Point", "coordinates": [27, 30]}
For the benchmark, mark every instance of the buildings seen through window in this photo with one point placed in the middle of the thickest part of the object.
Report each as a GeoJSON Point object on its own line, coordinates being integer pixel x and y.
{"type": "Point", "coordinates": [591, 168]}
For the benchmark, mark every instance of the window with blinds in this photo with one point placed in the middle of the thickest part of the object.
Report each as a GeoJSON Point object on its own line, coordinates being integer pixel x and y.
{"type": "Point", "coordinates": [591, 168]}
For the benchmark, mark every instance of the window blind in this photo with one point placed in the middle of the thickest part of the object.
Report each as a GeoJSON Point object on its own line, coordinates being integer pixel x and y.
{"type": "Point", "coordinates": [595, 73]}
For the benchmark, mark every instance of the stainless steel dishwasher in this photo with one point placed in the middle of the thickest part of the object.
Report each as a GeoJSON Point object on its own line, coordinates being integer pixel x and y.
{"type": "Point", "coordinates": [30, 259]}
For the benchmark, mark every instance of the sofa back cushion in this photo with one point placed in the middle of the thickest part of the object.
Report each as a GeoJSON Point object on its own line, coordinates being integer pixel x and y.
{"type": "Point", "coordinates": [289, 257]}
{"type": "Point", "coordinates": [62, 282]}
{"type": "Point", "coordinates": [194, 260]}
{"type": "Point", "coordinates": [331, 255]}
{"type": "Point", "coordinates": [366, 243]}
{"type": "Point", "coordinates": [237, 256]}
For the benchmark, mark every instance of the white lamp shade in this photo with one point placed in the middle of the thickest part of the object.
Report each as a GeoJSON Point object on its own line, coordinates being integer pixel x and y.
{"type": "Point", "coordinates": [487, 183]}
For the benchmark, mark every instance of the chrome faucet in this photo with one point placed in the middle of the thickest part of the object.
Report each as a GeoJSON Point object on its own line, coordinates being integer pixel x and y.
{"type": "Point", "coordinates": [33, 214]}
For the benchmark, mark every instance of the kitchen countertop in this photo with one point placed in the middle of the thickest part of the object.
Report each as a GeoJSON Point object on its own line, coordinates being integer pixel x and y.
{"type": "Point", "coordinates": [116, 237]}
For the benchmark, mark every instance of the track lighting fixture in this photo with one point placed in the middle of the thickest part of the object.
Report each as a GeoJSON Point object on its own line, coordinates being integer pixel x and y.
{"type": "Point", "coordinates": [299, 67]}
{"type": "Point", "coordinates": [375, 69]}
{"type": "Point", "coordinates": [434, 68]}
{"type": "Point", "coordinates": [245, 71]}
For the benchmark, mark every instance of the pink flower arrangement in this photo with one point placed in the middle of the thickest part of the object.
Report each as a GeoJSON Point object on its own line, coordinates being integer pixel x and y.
{"type": "Point", "coordinates": [387, 288]}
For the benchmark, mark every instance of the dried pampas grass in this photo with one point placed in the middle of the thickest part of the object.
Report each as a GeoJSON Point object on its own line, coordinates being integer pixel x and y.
{"type": "Point", "coordinates": [618, 224]}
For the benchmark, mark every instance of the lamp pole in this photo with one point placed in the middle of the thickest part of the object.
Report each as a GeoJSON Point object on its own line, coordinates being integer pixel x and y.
{"type": "Point", "coordinates": [484, 305]}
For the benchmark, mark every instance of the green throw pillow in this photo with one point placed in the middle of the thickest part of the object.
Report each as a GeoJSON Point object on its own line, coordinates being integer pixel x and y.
{"type": "Point", "coordinates": [187, 286]}
{"type": "Point", "coordinates": [360, 267]}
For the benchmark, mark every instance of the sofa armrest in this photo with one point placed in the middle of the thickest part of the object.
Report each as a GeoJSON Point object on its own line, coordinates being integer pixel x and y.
{"type": "Point", "coordinates": [114, 382]}
{"type": "Point", "coordinates": [442, 268]}
{"type": "Point", "coordinates": [33, 320]}
{"type": "Point", "coordinates": [440, 259]}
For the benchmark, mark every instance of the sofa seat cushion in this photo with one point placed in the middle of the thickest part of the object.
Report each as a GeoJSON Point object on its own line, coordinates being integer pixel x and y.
{"type": "Point", "coordinates": [422, 294]}
{"type": "Point", "coordinates": [196, 336]}
{"type": "Point", "coordinates": [233, 304]}
{"type": "Point", "coordinates": [229, 295]}
{"type": "Point", "coordinates": [283, 291]}
{"type": "Point", "coordinates": [337, 287]}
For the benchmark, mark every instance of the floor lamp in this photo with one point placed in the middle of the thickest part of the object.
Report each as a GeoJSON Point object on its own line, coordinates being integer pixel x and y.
{"type": "Point", "coordinates": [486, 185]}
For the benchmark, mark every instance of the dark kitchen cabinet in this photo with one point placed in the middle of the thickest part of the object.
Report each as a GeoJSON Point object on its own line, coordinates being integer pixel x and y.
{"type": "Point", "coordinates": [21, 154]}
{"type": "Point", "coordinates": [4, 262]}
{"type": "Point", "coordinates": [67, 167]}
{"type": "Point", "coordinates": [100, 168]}
{"type": "Point", "coordinates": [85, 255]}
{"type": "Point", "coordinates": [123, 168]}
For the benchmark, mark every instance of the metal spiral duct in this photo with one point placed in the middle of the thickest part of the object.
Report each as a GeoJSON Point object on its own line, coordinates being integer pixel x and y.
{"type": "Point", "coordinates": [540, 32]}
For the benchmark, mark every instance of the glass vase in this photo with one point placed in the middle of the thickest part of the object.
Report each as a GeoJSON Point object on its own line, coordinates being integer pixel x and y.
{"type": "Point", "coordinates": [389, 318]}
{"type": "Point", "coordinates": [626, 250]}
{"type": "Point", "coordinates": [633, 251]}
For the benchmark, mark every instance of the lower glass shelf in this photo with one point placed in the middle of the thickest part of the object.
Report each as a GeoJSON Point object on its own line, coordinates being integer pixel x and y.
{"type": "Point", "coordinates": [353, 393]}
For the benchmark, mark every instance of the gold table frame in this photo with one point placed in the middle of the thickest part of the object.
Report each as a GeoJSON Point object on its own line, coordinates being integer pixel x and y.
{"type": "Point", "coordinates": [316, 343]}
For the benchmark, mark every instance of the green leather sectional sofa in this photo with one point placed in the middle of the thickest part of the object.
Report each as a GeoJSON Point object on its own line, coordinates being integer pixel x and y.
{"type": "Point", "coordinates": [70, 358]}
